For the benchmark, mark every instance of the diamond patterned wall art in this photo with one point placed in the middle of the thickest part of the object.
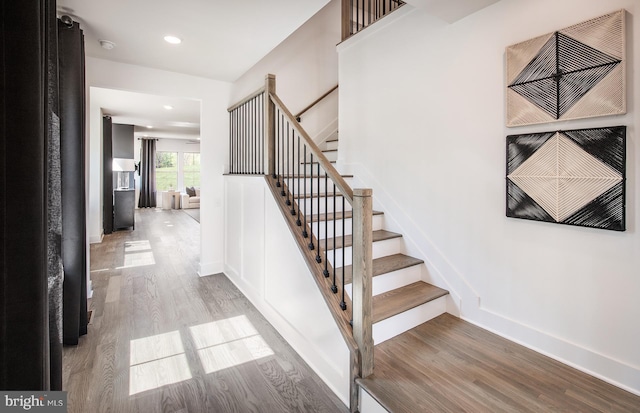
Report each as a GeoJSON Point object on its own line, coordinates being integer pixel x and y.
{"type": "Point", "coordinates": [577, 72]}
{"type": "Point", "coordinates": [571, 177]}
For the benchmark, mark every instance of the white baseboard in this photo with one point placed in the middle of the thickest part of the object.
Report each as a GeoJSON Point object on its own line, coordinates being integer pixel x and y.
{"type": "Point", "coordinates": [96, 239]}
{"type": "Point", "coordinates": [210, 268]}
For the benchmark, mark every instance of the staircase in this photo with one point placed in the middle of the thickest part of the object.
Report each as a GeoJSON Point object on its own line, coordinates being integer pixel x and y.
{"type": "Point", "coordinates": [374, 291]}
{"type": "Point", "coordinates": [401, 299]}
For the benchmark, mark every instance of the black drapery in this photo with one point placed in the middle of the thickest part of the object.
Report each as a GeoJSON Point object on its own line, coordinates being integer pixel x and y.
{"type": "Point", "coordinates": [72, 147]}
{"type": "Point", "coordinates": [27, 123]}
{"type": "Point", "coordinates": [148, 174]}
{"type": "Point", "coordinates": [54, 202]}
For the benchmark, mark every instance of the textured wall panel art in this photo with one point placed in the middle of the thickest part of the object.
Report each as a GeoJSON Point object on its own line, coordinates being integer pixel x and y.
{"type": "Point", "coordinates": [571, 177]}
{"type": "Point", "coordinates": [577, 72]}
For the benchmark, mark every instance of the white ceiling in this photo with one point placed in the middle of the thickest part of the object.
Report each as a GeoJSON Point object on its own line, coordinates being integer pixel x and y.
{"type": "Point", "coordinates": [142, 110]}
{"type": "Point", "coordinates": [220, 40]}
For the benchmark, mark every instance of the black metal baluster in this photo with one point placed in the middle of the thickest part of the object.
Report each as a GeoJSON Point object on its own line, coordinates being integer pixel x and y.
{"type": "Point", "coordinates": [334, 287]}
{"type": "Point", "coordinates": [318, 258]}
{"type": "Point", "coordinates": [343, 304]}
{"type": "Point", "coordinates": [260, 135]}
{"type": "Point", "coordinates": [362, 14]}
{"type": "Point", "coordinates": [282, 126]}
{"type": "Point", "coordinates": [253, 136]}
{"type": "Point", "coordinates": [298, 223]}
{"type": "Point", "coordinates": [231, 142]}
{"type": "Point", "coordinates": [277, 148]}
{"type": "Point", "coordinates": [291, 166]}
{"type": "Point", "coordinates": [287, 165]}
{"type": "Point", "coordinates": [326, 225]}
{"type": "Point", "coordinates": [311, 246]}
{"type": "Point", "coordinates": [304, 217]}
{"type": "Point", "coordinates": [244, 139]}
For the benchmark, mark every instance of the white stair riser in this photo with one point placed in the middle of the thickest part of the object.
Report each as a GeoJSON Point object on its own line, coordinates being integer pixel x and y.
{"type": "Point", "coordinates": [319, 206]}
{"type": "Point", "coordinates": [330, 145]}
{"type": "Point", "coordinates": [320, 229]}
{"type": "Point", "coordinates": [307, 168]}
{"type": "Point", "coordinates": [318, 184]}
{"type": "Point", "coordinates": [398, 324]}
{"type": "Point", "coordinates": [379, 249]}
{"type": "Point", "coordinates": [332, 156]}
{"type": "Point", "coordinates": [392, 280]}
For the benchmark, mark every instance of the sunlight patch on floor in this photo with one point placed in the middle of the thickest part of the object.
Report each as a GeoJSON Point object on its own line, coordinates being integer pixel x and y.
{"type": "Point", "coordinates": [228, 343]}
{"type": "Point", "coordinates": [137, 254]}
{"type": "Point", "coordinates": [157, 361]}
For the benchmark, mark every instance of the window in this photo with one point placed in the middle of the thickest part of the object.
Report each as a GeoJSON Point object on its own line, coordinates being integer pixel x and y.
{"type": "Point", "coordinates": [191, 169]}
{"type": "Point", "coordinates": [166, 170]}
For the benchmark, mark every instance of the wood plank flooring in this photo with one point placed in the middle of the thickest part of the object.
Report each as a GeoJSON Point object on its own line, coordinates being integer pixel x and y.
{"type": "Point", "coordinates": [449, 365]}
{"type": "Point", "coordinates": [162, 339]}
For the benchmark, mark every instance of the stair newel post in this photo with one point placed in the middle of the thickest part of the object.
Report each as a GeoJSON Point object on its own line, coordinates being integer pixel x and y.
{"type": "Point", "coordinates": [362, 277]}
{"type": "Point", "coordinates": [270, 124]}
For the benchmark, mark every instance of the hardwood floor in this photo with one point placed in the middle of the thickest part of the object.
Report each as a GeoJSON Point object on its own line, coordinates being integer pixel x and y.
{"type": "Point", "coordinates": [162, 339]}
{"type": "Point", "coordinates": [449, 365]}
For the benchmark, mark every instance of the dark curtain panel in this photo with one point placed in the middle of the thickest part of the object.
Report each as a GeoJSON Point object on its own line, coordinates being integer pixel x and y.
{"type": "Point", "coordinates": [24, 317]}
{"type": "Point", "coordinates": [54, 214]}
{"type": "Point", "coordinates": [148, 174]}
{"type": "Point", "coordinates": [72, 136]}
{"type": "Point", "coordinates": [107, 175]}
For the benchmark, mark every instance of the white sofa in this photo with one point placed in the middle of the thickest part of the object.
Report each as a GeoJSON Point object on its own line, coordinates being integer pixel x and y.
{"type": "Point", "coordinates": [187, 201]}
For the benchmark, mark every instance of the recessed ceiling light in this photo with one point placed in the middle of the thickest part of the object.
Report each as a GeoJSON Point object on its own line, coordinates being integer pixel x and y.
{"type": "Point", "coordinates": [168, 107]}
{"type": "Point", "coordinates": [149, 126]}
{"type": "Point", "coordinates": [172, 39]}
{"type": "Point", "coordinates": [107, 44]}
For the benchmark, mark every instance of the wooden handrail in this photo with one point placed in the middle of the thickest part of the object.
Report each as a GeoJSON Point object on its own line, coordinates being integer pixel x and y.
{"type": "Point", "coordinates": [315, 102]}
{"type": "Point", "coordinates": [342, 185]}
{"type": "Point", "coordinates": [245, 100]}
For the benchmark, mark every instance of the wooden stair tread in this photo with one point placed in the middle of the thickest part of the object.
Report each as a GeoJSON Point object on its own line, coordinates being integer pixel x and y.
{"type": "Point", "coordinates": [316, 195]}
{"type": "Point", "coordinates": [338, 215]}
{"type": "Point", "coordinates": [329, 150]}
{"type": "Point", "coordinates": [379, 235]}
{"type": "Point", "coordinates": [314, 163]}
{"type": "Point", "coordinates": [383, 265]}
{"type": "Point", "coordinates": [332, 140]}
{"type": "Point", "coordinates": [308, 176]}
{"type": "Point", "coordinates": [401, 299]}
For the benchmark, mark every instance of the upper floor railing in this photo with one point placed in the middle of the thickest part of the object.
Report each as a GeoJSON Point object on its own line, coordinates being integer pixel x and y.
{"type": "Point", "coordinates": [358, 14]}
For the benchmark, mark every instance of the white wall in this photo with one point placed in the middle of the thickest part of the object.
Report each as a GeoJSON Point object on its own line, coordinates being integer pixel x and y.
{"type": "Point", "coordinates": [422, 122]}
{"type": "Point", "coordinates": [263, 260]}
{"type": "Point", "coordinates": [306, 66]}
{"type": "Point", "coordinates": [213, 96]}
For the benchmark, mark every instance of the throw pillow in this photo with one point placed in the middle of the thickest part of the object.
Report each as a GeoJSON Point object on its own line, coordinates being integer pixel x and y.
{"type": "Point", "coordinates": [191, 191]}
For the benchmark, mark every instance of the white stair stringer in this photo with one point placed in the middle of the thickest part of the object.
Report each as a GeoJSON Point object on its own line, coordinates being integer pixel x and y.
{"type": "Point", "coordinates": [388, 328]}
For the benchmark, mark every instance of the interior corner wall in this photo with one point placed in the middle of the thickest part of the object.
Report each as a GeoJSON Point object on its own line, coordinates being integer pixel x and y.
{"type": "Point", "coordinates": [214, 132]}
{"type": "Point", "coordinates": [305, 65]}
{"type": "Point", "coordinates": [422, 121]}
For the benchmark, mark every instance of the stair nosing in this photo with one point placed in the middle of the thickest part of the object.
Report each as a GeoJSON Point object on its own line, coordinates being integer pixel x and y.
{"type": "Point", "coordinates": [435, 293]}
{"type": "Point", "coordinates": [376, 262]}
{"type": "Point", "coordinates": [349, 215]}
{"type": "Point", "coordinates": [317, 195]}
{"type": "Point", "coordinates": [384, 236]}
{"type": "Point", "coordinates": [309, 177]}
